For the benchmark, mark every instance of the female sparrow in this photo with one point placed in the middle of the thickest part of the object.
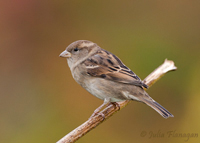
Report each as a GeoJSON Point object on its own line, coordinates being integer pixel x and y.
{"type": "Point", "coordinates": [105, 76]}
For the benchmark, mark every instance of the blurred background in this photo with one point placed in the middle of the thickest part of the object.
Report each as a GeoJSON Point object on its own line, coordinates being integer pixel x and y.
{"type": "Point", "coordinates": [40, 101]}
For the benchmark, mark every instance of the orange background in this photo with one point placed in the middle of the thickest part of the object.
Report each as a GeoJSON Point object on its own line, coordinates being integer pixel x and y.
{"type": "Point", "coordinates": [40, 101]}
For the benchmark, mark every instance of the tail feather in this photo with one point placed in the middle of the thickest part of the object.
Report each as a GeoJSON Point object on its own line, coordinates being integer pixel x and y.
{"type": "Point", "coordinates": [158, 108]}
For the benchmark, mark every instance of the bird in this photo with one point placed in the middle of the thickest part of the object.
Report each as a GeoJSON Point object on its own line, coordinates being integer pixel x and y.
{"type": "Point", "coordinates": [105, 76]}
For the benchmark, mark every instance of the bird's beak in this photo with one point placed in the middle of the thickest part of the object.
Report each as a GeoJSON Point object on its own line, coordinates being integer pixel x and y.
{"type": "Point", "coordinates": [65, 54]}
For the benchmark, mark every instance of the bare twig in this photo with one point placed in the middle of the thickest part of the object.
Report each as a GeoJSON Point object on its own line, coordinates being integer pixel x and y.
{"type": "Point", "coordinates": [91, 123]}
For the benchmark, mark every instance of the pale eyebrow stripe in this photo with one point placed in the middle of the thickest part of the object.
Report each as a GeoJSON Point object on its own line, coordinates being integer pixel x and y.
{"type": "Point", "coordinates": [84, 44]}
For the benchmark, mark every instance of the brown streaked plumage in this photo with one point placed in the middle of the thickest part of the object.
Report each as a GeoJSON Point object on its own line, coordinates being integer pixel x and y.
{"type": "Point", "coordinates": [111, 68]}
{"type": "Point", "coordinates": [105, 76]}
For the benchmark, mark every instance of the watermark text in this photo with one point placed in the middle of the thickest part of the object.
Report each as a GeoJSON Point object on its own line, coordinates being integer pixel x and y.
{"type": "Point", "coordinates": [168, 134]}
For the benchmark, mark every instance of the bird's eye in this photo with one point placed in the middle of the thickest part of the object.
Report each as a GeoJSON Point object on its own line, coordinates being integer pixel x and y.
{"type": "Point", "coordinates": [76, 49]}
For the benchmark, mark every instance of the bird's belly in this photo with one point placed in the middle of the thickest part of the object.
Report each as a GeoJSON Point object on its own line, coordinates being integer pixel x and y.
{"type": "Point", "coordinates": [101, 89]}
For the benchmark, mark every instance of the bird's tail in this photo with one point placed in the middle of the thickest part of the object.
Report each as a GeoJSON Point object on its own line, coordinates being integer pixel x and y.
{"type": "Point", "coordinates": [158, 108]}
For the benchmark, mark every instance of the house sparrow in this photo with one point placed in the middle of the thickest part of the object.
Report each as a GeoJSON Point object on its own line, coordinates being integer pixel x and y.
{"type": "Point", "coordinates": [105, 76]}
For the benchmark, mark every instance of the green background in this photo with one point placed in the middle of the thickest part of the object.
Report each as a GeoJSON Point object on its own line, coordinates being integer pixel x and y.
{"type": "Point", "coordinates": [39, 100]}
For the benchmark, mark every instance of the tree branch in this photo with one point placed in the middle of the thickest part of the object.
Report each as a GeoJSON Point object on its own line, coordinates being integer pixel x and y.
{"type": "Point", "coordinates": [91, 123]}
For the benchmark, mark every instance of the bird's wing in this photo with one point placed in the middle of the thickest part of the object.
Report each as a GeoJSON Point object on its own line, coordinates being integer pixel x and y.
{"type": "Point", "coordinates": [104, 64]}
